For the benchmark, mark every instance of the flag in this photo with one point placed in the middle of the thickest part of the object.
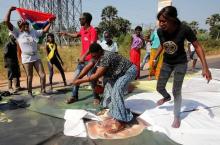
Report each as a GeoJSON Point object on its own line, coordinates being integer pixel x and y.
{"type": "Point", "coordinates": [38, 19]}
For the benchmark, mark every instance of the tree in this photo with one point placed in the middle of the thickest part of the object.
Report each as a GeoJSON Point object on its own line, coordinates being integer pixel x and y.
{"type": "Point", "coordinates": [3, 34]}
{"type": "Point", "coordinates": [194, 25]}
{"type": "Point", "coordinates": [112, 23]}
{"type": "Point", "coordinates": [215, 32]}
{"type": "Point", "coordinates": [185, 23]}
{"type": "Point", "coordinates": [213, 20]}
{"type": "Point", "coordinates": [214, 23]}
{"type": "Point", "coordinates": [109, 13]}
{"type": "Point", "coordinates": [122, 25]}
{"type": "Point", "coordinates": [202, 30]}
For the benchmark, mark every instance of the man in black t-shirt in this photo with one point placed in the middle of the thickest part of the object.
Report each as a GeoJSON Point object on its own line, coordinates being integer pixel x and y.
{"type": "Point", "coordinates": [11, 63]}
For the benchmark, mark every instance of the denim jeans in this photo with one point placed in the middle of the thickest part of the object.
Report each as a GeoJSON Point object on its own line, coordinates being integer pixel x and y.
{"type": "Point", "coordinates": [75, 89]}
{"type": "Point", "coordinates": [179, 73]}
{"type": "Point", "coordinates": [146, 57]}
{"type": "Point", "coordinates": [114, 93]}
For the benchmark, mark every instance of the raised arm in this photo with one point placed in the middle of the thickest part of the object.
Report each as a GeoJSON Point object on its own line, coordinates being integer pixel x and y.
{"type": "Point", "coordinates": [7, 18]}
{"type": "Point", "coordinates": [46, 29]}
{"type": "Point", "coordinates": [200, 52]}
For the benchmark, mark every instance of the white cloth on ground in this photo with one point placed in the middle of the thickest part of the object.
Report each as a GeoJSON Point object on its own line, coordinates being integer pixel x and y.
{"type": "Point", "coordinates": [74, 125]}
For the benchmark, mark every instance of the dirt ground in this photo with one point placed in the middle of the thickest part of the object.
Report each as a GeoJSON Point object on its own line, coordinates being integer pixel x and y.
{"type": "Point", "coordinates": [57, 79]}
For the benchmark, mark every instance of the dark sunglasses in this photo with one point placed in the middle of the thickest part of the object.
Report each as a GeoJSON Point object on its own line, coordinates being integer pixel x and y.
{"type": "Point", "coordinates": [81, 19]}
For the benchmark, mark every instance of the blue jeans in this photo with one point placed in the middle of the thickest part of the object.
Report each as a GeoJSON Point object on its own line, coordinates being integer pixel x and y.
{"type": "Point", "coordinates": [179, 73]}
{"type": "Point", "coordinates": [146, 57]}
{"type": "Point", "coordinates": [75, 89]}
{"type": "Point", "coordinates": [114, 93]}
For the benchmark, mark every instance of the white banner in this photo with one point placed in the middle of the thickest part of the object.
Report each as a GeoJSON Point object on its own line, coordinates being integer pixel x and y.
{"type": "Point", "coordinates": [163, 3]}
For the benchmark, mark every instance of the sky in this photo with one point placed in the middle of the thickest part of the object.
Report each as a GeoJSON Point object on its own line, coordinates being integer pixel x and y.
{"type": "Point", "coordinates": [139, 12]}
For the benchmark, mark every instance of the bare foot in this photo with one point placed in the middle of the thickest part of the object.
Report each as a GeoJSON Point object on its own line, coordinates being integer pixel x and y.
{"type": "Point", "coordinates": [163, 100]}
{"type": "Point", "coordinates": [113, 126]}
{"type": "Point", "coordinates": [176, 122]}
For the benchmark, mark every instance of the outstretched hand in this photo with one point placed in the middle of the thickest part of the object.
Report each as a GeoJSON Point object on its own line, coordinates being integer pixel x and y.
{"type": "Point", "coordinates": [207, 74]}
{"type": "Point", "coordinates": [61, 33]}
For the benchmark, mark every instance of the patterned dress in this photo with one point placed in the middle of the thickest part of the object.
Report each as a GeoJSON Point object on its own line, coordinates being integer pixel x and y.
{"type": "Point", "coordinates": [120, 72]}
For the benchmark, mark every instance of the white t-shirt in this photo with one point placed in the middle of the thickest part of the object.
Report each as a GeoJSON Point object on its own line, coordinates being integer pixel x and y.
{"type": "Point", "coordinates": [191, 47]}
{"type": "Point", "coordinates": [112, 48]}
{"type": "Point", "coordinates": [148, 47]}
{"type": "Point", "coordinates": [28, 44]}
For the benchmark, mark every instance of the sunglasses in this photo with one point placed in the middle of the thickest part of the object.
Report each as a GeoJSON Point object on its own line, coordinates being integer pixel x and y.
{"type": "Point", "coordinates": [80, 19]}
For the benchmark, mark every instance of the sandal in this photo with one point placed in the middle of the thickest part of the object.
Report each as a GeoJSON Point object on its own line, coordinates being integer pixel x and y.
{"type": "Point", "coordinates": [163, 100]}
{"type": "Point", "coordinates": [71, 100]}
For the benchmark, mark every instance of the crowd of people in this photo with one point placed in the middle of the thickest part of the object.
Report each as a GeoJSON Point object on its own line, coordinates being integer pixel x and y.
{"type": "Point", "coordinates": [99, 58]}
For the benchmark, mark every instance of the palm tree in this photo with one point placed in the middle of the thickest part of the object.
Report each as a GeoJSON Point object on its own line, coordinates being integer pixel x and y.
{"type": "Point", "coordinates": [213, 20]}
{"type": "Point", "coordinates": [111, 22]}
{"type": "Point", "coordinates": [194, 25]}
{"type": "Point", "coordinates": [109, 13]}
